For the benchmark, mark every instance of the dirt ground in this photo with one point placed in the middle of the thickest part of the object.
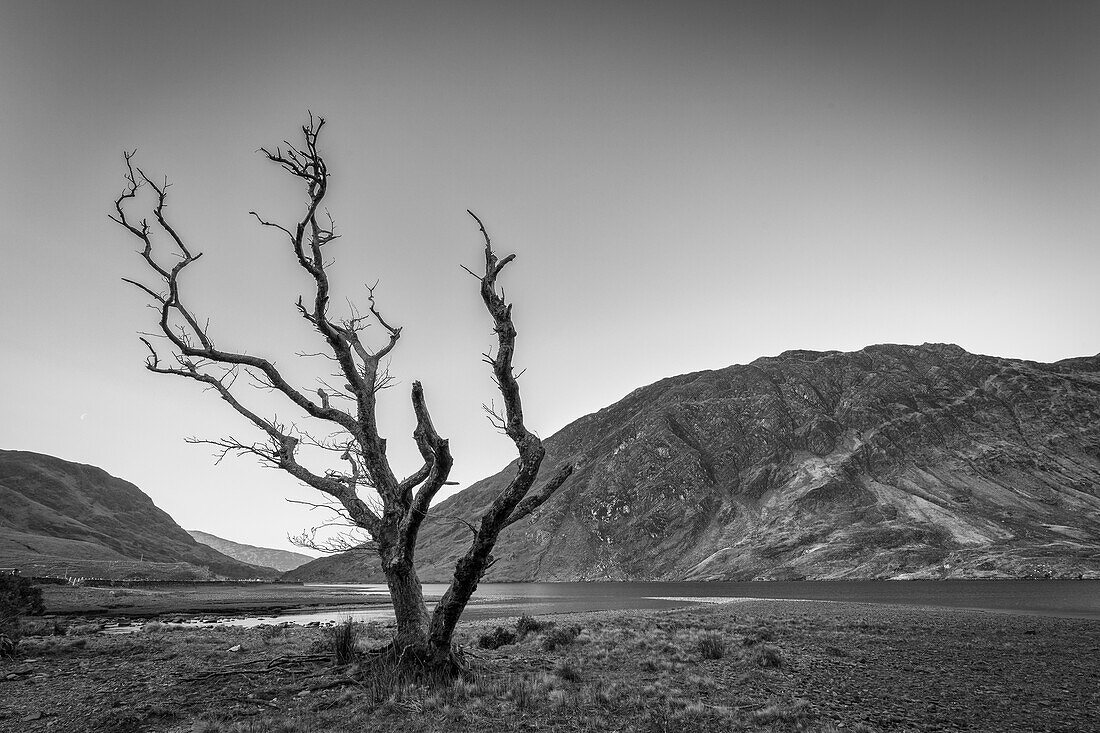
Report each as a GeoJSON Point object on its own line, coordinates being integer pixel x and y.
{"type": "Point", "coordinates": [745, 665]}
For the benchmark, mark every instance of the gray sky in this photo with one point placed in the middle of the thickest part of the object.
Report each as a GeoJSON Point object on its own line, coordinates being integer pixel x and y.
{"type": "Point", "coordinates": [687, 186]}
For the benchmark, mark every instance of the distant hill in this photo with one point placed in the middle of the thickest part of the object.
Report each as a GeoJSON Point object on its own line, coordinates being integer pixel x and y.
{"type": "Point", "coordinates": [281, 560]}
{"type": "Point", "coordinates": [888, 462]}
{"type": "Point", "coordinates": [69, 516]}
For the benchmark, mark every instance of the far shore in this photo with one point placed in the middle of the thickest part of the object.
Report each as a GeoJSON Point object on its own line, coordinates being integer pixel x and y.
{"type": "Point", "coordinates": [254, 599]}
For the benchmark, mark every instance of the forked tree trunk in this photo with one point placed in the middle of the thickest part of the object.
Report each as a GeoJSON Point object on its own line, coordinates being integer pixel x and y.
{"type": "Point", "coordinates": [422, 636]}
{"type": "Point", "coordinates": [415, 650]}
{"type": "Point", "coordinates": [402, 503]}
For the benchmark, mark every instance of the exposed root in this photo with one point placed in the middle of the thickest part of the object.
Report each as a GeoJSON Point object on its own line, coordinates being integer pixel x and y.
{"type": "Point", "coordinates": [401, 665]}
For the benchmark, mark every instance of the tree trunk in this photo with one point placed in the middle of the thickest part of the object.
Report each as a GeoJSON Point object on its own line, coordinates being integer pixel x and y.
{"type": "Point", "coordinates": [407, 597]}
{"type": "Point", "coordinates": [468, 572]}
{"type": "Point", "coordinates": [414, 652]}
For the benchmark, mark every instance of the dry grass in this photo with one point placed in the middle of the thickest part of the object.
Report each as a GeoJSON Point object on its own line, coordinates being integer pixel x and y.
{"type": "Point", "coordinates": [579, 676]}
{"type": "Point", "coordinates": [344, 640]}
{"type": "Point", "coordinates": [688, 670]}
{"type": "Point", "coordinates": [767, 655]}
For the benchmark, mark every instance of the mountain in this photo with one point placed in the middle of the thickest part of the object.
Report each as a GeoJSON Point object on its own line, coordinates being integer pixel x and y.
{"type": "Point", "coordinates": [54, 513]}
{"type": "Point", "coordinates": [281, 560]}
{"type": "Point", "coordinates": [888, 462]}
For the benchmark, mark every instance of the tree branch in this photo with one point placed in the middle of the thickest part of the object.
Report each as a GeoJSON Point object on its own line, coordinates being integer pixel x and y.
{"type": "Point", "coordinates": [437, 459]}
{"type": "Point", "coordinates": [478, 558]}
{"type": "Point", "coordinates": [194, 345]}
{"type": "Point", "coordinates": [530, 448]}
{"type": "Point", "coordinates": [533, 501]}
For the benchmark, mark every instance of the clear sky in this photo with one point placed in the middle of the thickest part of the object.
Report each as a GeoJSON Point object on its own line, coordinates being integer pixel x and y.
{"type": "Point", "coordinates": [687, 186]}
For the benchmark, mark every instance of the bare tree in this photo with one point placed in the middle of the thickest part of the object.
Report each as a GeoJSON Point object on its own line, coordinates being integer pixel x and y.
{"type": "Point", "coordinates": [368, 493]}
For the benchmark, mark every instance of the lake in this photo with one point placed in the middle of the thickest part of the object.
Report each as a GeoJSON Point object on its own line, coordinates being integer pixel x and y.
{"type": "Point", "coordinates": [1064, 598]}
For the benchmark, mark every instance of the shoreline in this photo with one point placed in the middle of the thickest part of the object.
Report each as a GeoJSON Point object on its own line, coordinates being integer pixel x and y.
{"type": "Point", "coordinates": [199, 600]}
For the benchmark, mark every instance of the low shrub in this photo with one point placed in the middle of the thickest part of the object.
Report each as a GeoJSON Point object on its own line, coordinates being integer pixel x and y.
{"type": "Point", "coordinates": [530, 625]}
{"type": "Point", "coordinates": [496, 638]}
{"type": "Point", "coordinates": [268, 634]}
{"type": "Point", "coordinates": [18, 597]}
{"type": "Point", "coordinates": [83, 629]}
{"type": "Point", "coordinates": [559, 636]}
{"type": "Point", "coordinates": [43, 627]}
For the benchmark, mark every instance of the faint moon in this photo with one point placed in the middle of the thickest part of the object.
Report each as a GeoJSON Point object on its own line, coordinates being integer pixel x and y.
{"type": "Point", "coordinates": [83, 415]}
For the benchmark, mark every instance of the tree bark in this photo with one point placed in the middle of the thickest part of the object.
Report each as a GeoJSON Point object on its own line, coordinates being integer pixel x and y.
{"type": "Point", "coordinates": [407, 597]}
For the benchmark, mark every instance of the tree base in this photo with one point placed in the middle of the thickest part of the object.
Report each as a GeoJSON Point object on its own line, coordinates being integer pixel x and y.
{"type": "Point", "coordinates": [399, 665]}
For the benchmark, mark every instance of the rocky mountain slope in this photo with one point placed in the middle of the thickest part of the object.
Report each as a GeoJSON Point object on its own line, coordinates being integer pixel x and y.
{"type": "Point", "coordinates": [54, 512]}
{"type": "Point", "coordinates": [889, 462]}
{"type": "Point", "coordinates": [268, 557]}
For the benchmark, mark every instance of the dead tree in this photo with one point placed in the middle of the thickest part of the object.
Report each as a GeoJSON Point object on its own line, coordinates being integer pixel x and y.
{"type": "Point", "coordinates": [390, 509]}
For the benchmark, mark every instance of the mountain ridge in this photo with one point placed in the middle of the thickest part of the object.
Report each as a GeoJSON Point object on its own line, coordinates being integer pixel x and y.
{"type": "Point", "coordinates": [892, 461]}
{"type": "Point", "coordinates": [268, 557]}
{"type": "Point", "coordinates": [67, 514]}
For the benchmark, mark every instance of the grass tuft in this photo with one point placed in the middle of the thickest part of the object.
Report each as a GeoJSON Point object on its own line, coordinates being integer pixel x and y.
{"type": "Point", "coordinates": [767, 655]}
{"type": "Point", "coordinates": [567, 671]}
{"type": "Point", "coordinates": [781, 716]}
{"type": "Point", "coordinates": [712, 645]}
{"type": "Point", "coordinates": [344, 641]}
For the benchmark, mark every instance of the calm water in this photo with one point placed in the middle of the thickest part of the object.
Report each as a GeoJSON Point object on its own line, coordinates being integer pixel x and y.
{"type": "Point", "coordinates": [1066, 598]}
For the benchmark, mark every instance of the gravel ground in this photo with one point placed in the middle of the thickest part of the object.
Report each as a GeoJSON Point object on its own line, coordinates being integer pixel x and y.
{"type": "Point", "coordinates": [934, 670]}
